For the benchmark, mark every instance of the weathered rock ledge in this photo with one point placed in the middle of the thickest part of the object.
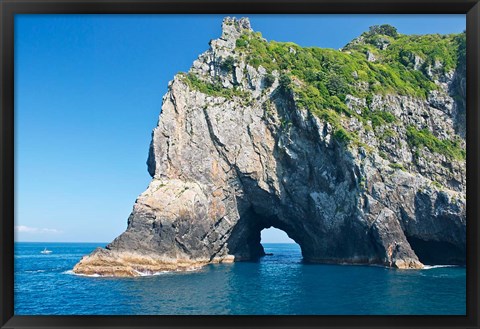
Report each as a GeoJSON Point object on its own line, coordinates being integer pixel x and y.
{"type": "Point", "coordinates": [126, 264]}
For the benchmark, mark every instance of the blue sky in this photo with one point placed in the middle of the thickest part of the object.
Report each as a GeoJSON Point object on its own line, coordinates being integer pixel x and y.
{"type": "Point", "coordinates": [88, 91]}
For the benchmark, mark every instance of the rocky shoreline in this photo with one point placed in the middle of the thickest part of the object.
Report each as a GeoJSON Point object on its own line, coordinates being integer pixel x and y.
{"type": "Point", "coordinates": [126, 264]}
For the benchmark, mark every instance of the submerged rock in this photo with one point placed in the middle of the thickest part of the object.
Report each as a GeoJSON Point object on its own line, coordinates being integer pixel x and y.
{"type": "Point", "coordinates": [236, 150]}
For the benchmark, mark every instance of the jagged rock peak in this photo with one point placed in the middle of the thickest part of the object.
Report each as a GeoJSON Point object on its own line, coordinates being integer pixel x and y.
{"type": "Point", "coordinates": [208, 66]}
{"type": "Point", "coordinates": [233, 27]}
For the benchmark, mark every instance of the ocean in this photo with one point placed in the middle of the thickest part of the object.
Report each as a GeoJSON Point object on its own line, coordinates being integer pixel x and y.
{"type": "Point", "coordinates": [277, 284]}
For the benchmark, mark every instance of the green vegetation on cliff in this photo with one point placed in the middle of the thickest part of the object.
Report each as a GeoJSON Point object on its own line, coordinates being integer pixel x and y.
{"type": "Point", "coordinates": [379, 62]}
{"type": "Point", "coordinates": [425, 138]}
{"type": "Point", "coordinates": [323, 77]}
{"type": "Point", "coordinates": [337, 73]}
{"type": "Point", "coordinates": [213, 89]}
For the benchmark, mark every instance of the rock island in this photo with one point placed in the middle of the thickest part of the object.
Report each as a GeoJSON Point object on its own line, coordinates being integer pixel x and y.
{"type": "Point", "coordinates": [358, 154]}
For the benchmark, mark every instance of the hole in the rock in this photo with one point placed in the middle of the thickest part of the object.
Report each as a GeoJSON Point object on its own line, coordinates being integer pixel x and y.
{"type": "Point", "coordinates": [278, 244]}
{"type": "Point", "coordinates": [274, 235]}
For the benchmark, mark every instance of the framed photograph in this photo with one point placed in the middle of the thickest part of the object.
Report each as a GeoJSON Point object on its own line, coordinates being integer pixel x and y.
{"type": "Point", "coordinates": [239, 164]}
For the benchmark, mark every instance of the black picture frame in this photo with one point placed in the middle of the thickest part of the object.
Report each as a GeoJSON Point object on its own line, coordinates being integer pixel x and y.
{"type": "Point", "coordinates": [9, 8]}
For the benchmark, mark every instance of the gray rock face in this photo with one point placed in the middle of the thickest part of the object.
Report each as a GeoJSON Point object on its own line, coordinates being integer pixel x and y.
{"type": "Point", "coordinates": [225, 168]}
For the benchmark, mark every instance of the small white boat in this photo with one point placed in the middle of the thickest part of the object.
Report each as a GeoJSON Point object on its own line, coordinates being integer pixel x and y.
{"type": "Point", "coordinates": [46, 251]}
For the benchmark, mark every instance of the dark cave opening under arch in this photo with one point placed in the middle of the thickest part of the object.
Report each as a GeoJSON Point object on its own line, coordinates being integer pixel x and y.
{"type": "Point", "coordinates": [246, 242]}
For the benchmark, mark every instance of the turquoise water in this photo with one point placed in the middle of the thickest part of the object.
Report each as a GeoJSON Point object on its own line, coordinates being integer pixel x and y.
{"type": "Point", "coordinates": [278, 284]}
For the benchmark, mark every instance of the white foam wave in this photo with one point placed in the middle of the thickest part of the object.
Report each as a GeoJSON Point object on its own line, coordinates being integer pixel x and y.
{"type": "Point", "coordinates": [147, 273]}
{"type": "Point", "coordinates": [429, 267]}
{"type": "Point", "coordinates": [70, 272]}
{"type": "Point", "coordinates": [35, 271]}
{"type": "Point", "coordinates": [140, 273]}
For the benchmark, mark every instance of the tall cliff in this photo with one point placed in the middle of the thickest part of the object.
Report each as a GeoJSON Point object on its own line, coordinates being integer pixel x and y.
{"type": "Point", "coordinates": [357, 154]}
